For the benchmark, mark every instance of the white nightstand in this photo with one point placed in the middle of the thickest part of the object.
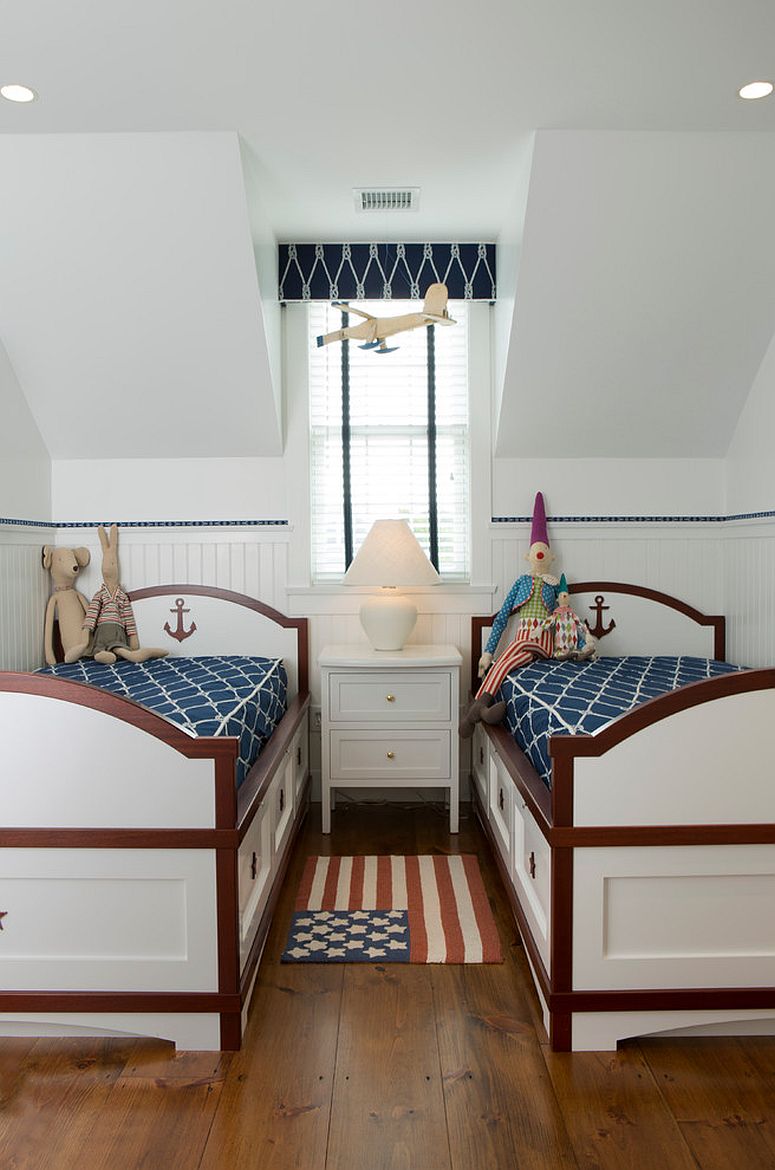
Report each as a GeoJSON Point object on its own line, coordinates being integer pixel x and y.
{"type": "Point", "coordinates": [390, 720]}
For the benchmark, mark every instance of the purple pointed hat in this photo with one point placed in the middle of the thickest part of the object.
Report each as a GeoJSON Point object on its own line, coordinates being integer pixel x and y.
{"type": "Point", "coordinates": [538, 531]}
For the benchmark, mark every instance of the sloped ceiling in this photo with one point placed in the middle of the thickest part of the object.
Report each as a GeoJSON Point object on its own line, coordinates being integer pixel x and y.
{"type": "Point", "coordinates": [129, 301]}
{"type": "Point", "coordinates": [645, 294]}
{"type": "Point", "coordinates": [627, 310]}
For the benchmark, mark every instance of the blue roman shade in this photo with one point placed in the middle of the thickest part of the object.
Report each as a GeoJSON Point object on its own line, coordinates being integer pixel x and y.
{"type": "Point", "coordinates": [384, 272]}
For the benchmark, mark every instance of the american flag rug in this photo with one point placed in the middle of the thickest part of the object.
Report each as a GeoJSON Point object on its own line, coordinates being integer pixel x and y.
{"type": "Point", "coordinates": [414, 909]}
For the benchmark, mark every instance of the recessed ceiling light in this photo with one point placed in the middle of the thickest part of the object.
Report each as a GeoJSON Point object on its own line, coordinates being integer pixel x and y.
{"type": "Point", "coordinates": [756, 89]}
{"type": "Point", "coordinates": [18, 93]}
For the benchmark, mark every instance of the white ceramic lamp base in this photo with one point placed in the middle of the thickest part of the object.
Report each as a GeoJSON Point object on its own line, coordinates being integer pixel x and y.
{"type": "Point", "coordinates": [388, 621]}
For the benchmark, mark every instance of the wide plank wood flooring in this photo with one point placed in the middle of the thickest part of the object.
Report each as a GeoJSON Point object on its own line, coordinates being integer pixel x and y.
{"type": "Point", "coordinates": [369, 1067]}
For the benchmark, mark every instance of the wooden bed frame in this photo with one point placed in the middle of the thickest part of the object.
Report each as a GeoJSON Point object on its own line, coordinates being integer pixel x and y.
{"type": "Point", "coordinates": [643, 882]}
{"type": "Point", "coordinates": [137, 883]}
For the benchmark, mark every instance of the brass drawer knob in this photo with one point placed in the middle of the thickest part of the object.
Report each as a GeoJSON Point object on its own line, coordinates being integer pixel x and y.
{"type": "Point", "coordinates": [390, 698]}
{"type": "Point", "coordinates": [391, 755]}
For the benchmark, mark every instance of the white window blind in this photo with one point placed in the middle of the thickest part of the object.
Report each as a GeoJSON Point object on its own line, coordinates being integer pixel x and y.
{"type": "Point", "coordinates": [389, 448]}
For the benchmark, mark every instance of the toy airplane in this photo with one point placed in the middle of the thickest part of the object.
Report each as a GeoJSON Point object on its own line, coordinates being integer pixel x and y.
{"type": "Point", "coordinates": [373, 330]}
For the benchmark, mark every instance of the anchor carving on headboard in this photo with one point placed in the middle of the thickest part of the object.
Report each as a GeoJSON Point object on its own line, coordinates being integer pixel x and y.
{"type": "Point", "coordinates": [599, 630]}
{"type": "Point", "coordinates": [180, 633]}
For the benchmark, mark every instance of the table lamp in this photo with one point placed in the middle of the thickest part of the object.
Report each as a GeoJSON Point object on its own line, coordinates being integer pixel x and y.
{"type": "Point", "coordinates": [390, 557]}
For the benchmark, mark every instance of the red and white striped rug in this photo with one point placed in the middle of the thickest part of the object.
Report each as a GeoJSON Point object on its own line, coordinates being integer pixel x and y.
{"type": "Point", "coordinates": [405, 909]}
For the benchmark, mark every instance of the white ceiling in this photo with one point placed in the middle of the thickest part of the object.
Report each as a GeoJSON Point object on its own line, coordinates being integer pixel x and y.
{"type": "Point", "coordinates": [624, 277]}
{"type": "Point", "coordinates": [415, 92]}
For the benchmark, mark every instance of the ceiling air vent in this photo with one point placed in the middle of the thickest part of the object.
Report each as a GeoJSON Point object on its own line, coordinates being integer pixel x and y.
{"type": "Point", "coordinates": [387, 199]}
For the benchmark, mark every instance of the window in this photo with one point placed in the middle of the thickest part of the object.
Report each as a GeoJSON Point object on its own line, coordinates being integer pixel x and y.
{"type": "Point", "coordinates": [376, 453]}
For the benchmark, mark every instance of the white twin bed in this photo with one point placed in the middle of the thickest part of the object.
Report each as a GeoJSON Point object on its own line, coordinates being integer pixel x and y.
{"type": "Point", "coordinates": [641, 869]}
{"type": "Point", "coordinates": [137, 881]}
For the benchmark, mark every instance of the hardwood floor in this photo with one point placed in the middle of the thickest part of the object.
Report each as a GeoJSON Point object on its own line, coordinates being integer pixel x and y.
{"type": "Point", "coordinates": [361, 1067]}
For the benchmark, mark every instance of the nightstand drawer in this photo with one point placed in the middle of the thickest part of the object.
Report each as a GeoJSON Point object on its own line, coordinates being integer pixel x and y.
{"type": "Point", "coordinates": [409, 757]}
{"type": "Point", "coordinates": [406, 697]}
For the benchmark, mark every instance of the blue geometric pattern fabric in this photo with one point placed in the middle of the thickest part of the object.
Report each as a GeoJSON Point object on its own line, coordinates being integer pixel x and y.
{"type": "Point", "coordinates": [225, 695]}
{"type": "Point", "coordinates": [384, 272]}
{"type": "Point", "coordinates": [348, 936]}
{"type": "Point", "coordinates": [548, 698]}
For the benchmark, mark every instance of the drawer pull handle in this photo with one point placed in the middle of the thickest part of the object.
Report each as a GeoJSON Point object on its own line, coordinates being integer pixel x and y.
{"type": "Point", "coordinates": [500, 799]}
{"type": "Point", "coordinates": [282, 799]}
{"type": "Point", "coordinates": [481, 755]}
{"type": "Point", "coordinates": [253, 866]}
{"type": "Point", "coordinates": [390, 698]}
{"type": "Point", "coordinates": [391, 755]}
{"type": "Point", "coordinates": [298, 755]}
{"type": "Point", "coordinates": [531, 864]}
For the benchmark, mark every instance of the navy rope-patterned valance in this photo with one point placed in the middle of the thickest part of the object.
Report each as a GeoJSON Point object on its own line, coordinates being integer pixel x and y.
{"type": "Point", "coordinates": [384, 272]}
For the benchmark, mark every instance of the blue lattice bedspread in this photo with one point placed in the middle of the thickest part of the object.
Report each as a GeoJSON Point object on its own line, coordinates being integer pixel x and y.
{"type": "Point", "coordinates": [230, 695]}
{"type": "Point", "coordinates": [548, 698]}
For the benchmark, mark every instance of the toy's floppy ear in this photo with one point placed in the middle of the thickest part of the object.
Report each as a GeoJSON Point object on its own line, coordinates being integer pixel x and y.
{"type": "Point", "coordinates": [113, 539]}
{"type": "Point", "coordinates": [103, 537]}
{"type": "Point", "coordinates": [46, 556]}
{"type": "Point", "coordinates": [82, 556]}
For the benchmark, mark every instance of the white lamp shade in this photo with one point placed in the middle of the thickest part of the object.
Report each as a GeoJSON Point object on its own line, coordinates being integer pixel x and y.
{"type": "Point", "coordinates": [390, 556]}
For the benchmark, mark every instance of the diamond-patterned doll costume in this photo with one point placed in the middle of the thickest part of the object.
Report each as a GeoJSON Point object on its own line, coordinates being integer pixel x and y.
{"type": "Point", "coordinates": [533, 638]}
{"type": "Point", "coordinates": [572, 638]}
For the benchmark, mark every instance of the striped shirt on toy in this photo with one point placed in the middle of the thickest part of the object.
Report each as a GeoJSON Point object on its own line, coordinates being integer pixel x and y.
{"type": "Point", "coordinates": [110, 607]}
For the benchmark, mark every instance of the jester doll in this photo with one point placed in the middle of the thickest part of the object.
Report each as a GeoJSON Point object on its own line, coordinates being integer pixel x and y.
{"type": "Point", "coordinates": [533, 596]}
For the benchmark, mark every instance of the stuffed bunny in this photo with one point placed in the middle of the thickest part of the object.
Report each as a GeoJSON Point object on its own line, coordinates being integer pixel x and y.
{"type": "Point", "coordinates": [109, 629]}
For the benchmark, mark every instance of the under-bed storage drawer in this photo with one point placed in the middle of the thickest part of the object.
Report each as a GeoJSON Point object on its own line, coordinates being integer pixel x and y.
{"type": "Point", "coordinates": [108, 920]}
{"type": "Point", "coordinates": [480, 762]}
{"type": "Point", "coordinates": [280, 795]}
{"type": "Point", "coordinates": [406, 697]}
{"type": "Point", "coordinates": [256, 855]}
{"type": "Point", "coordinates": [533, 876]}
{"type": "Point", "coordinates": [501, 796]}
{"type": "Point", "coordinates": [300, 753]}
{"type": "Point", "coordinates": [400, 757]}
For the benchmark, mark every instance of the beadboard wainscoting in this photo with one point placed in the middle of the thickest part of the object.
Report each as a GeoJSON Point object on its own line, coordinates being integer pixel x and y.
{"type": "Point", "coordinates": [682, 558]}
{"type": "Point", "coordinates": [749, 590]}
{"type": "Point", "coordinates": [250, 560]}
{"type": "Point", "coordinates": [24, 591]}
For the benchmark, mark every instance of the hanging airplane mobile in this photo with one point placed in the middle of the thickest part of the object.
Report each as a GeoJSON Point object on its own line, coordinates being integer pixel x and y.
{"type": "Point", "coordinates": [374, 330]}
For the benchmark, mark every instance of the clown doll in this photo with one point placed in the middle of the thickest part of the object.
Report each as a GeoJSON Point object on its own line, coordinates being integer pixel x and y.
{"type": "Point", "coordinates": [572, 638]}
{"type": "Point", "coordinates": [534, 597]}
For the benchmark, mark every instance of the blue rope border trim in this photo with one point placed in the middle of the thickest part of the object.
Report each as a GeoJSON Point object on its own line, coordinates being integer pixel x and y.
{"type": "Point", "coordinates": [285, 523]}
{"type": "Point", "coordinates": [637, 519]}
{"type": "Point", "coordinates": [147, 523]}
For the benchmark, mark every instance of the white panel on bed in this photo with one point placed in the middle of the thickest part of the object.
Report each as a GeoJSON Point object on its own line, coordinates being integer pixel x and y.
{"type": "Point", "coordinates": [600, 1031]}
{"type": "Point", "coordinates": [104, 773]}
{"type": "Point", "coordinates": [189, 1031]}
{"type": "Point", "coordinates": [674, 916]}
{"type": "Point", "coordinates": [221, 628]}
{"type": "Point", "coordinates": [706, 764]}
{"type": "Point", "coordinates": [643, 626]}
{"type": "Point", "coordinates": [109, 919]}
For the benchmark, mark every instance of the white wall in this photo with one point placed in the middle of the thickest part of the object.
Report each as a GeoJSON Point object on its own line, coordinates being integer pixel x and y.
{"type": "Point", "coordinates": [25, 467]}
{"type": "Point", "coordinates": [750, 462]}
{"type": "Point", "coordinates": [25, 494]}
{"type": "Point", "coordinates": [168, 489]}
{"type": "Point", "coordinates": [749, 544]}
{"type": "Point", "coordinates": [609, 487]}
